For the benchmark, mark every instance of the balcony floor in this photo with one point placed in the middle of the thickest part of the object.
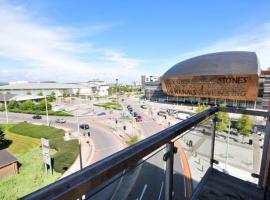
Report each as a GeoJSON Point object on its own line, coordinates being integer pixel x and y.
{"type": "Point", "coordinates": [221, 186]}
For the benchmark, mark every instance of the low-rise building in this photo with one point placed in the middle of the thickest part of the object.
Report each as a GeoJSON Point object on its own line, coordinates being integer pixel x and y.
{"type": "Point", "coordinates": [8, 164]}
{"type": "Point", "coordinates": [44, 88]}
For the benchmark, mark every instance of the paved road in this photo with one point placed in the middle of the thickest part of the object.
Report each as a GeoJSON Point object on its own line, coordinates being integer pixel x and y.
{"type": "Point", "coordinates": [105, 142]}
{"type": "Point", "coordinates": [150, 182]}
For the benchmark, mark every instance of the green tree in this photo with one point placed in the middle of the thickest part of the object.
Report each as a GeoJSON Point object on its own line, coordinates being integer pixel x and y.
{"type": "Point", "coordinates": [51, 97]}
{"type": "Point", "coordinates": [40, 93]}
{"type": "Point", "coordinates": [42, 105]}
{"type": "Point", "coordinates": [222, 120]}
{"type": "Point", "coordinates": [2, 136]}
{"type": "Point", "coordinates": [12, 104]}
{"type": "Point", "coordinates": [65, 93]}
{"type": "Point", "coordinates": [78, 93]}
{"type": "Point", "coordinates": [27, 105]}
{"type": "Point", "coordinates": [201, 108]}
{"type": "Point", "coordinates": [244, 126]}
{"type": "Point", "coordinates": [28, 93]}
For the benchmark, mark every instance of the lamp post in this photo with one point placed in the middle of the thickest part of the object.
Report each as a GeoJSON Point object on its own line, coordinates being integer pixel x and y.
{"type": "Point", "coordinates": [47, 115]}
{"type": "Point", "coordinates": [5, 102]}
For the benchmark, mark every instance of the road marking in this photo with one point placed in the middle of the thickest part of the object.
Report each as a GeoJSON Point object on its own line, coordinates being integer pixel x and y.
{"type": "Point", "coordinates": [143, 191]}
{"type": "Point", "coordinates": [159, 196]}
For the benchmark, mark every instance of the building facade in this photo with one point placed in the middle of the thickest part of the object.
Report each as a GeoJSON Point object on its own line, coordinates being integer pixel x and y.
{"type": "Point", "coordinates": [194, 80]}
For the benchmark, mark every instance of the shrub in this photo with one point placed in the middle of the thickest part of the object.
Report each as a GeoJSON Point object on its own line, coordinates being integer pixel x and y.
{"type": "Point", "coordinates": [67, 151]}
{"type": "Point", "coordinates": [12, 104]}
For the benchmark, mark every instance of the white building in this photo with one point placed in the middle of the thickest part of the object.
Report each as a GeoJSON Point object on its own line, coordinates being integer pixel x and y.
{"type": "Point", "coordinates": [103, 90]}
{"type": "Point", "coordinates": [45, 88]}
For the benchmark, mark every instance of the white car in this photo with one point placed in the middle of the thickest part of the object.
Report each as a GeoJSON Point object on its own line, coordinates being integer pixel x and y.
{"type": "Point", "coordinates": [61, 121]}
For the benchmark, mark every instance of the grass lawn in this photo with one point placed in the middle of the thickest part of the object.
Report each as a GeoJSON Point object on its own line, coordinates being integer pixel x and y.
{"type": "Point", "coordinates": [21, 144]}
{"type": "Point", "coordinates": [66, 151]}
{"type": "Point", "coordinates": [112, 105]}
{"type": "Point", "coordinates": [30, 178]}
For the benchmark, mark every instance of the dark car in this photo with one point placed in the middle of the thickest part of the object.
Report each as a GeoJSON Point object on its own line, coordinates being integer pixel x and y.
{"type": "Point", "coordinates": [128, 106]}
{"type": "Point", "coordinates": [37, 117]}
{"type": "Point", "coordinates": [161, 113]}
{"type": "Point", "coordinates": [138, 118]}
{"type": "Point", "coordinates": [143, 106]}
{"type": "Point", "coordinates": [135, 114]}
{"type": "Point", "coordinates": [84, 126]}
{"type": "Point", "coordinates": [101, 113]}
{"type": "Point", "coordinates": [61, 121]}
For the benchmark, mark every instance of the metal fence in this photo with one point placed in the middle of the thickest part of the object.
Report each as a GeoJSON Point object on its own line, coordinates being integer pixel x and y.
{"type": "Point", "coordinates": [95, 180]}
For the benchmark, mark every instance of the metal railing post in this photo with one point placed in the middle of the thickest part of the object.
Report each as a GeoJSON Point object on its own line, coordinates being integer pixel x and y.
{"type": "Point", "coordinates": [169, 171]}
{"type": "Point", "coordinates": [265, 152]}
{"type": "Point", "coordinates": [213, 141]}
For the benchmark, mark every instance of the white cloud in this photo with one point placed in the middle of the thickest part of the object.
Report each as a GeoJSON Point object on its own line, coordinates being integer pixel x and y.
{"type": "Point", "coordinates": [52, 52]}
{"type": "Point", "coordinates": [257, 40]}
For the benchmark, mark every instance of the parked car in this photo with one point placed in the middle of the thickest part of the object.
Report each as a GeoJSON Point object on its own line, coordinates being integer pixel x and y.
{"type": "Point", "coordinates": [101, 113]}
{"type": "Point", "coordinates": [138, 118]}
{"type": "Point", "coordinates": [161, 113]}
{"type": "Point", "coordinates": [37, 117]}
{"type": "Point", "coordinates": [135, 114]}
{"type": "Point", "coordinates": [171, 111]}
{"type": "Point", "coordinates": [181, 116]}
{"type": "Point", "coordinates": [61, 121]}
{"type": "Point", "coordinates": [143, 106]}
{"type": "Point", "coordinates": [84, 126]}
{"type": "Point", "coordinates": [128, 106]}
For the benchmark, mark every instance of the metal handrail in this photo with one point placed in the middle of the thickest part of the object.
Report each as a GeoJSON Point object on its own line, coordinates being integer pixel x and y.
{"type": "Point", "coordinates": [85, 180]}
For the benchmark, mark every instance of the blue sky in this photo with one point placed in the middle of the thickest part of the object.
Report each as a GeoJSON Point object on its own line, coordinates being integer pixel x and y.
{"type": "Point", "coordinates": [71, 41]}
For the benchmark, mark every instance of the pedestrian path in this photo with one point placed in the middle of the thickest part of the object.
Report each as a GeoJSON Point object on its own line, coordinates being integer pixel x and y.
{"type": "Point", "coordinates": [87, 149]}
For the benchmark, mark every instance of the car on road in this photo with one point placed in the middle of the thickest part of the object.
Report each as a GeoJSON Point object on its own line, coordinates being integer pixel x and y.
{"type": "Point", "coordinates": [84, 126]}
{"type": "Point", "coordinates": [138, 118]}
{"type": "Point", "coordinates": [135, 114]}
{"type": "Point", "coordinates": [143, 106]}
{"type": "Point", "coordinates": [101, 114]}
{"type": "Point", "coordinates": [161, 113]}
{"type": "Point", "coordinates": [37, 117]}
{"type": "Point", "coordinates": [60, 121]}
{"type": "Point", "coordinates": [171, 111]}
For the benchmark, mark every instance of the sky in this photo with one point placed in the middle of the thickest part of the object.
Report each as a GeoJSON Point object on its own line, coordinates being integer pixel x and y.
{"type": "Point", "coordinates": [80, 40]}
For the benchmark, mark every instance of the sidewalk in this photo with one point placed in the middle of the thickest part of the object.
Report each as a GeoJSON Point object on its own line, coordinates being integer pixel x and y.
{"type": "Point", "coordinates": [87, 149]}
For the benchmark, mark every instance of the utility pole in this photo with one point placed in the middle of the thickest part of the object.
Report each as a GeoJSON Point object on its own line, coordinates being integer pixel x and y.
{"type": "Point", "coordinates": [47, 116]}
{"type": "Point", "coordinates": [6, 108]}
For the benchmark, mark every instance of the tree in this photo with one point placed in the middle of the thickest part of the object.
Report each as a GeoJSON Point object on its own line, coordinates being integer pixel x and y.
{"type": "Point", "coordinates": [222, 120]}
{"type": "Point", "coordinates": [65, 93]}
{"type": "Point", "coordinates": [28, 93]}
{"type": "Point", "coordinates": [78, 93]}
{"type": "Point", "coordinates": [2, 136]}
{"type": "Point", "coordinates": [12, 104]}
{"type": "Point", "coordinates": [201, 108]}
{"type": "Point", "coordinates": [40, 93]}
{"type": "Point", "coordinates": [244, 125]}
{"type": "Point", "coordinates": [27, 105]}
{"type": "Point", "coordinates": [42, 105]}
{"type": "Point", "coordinates": [51, 97]}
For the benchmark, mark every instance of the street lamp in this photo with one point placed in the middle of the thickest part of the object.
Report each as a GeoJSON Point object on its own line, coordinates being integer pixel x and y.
{"type": "Point", "coordinates": [47, 115]}
{"type": "Point", "coordinates": [5, 102]}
